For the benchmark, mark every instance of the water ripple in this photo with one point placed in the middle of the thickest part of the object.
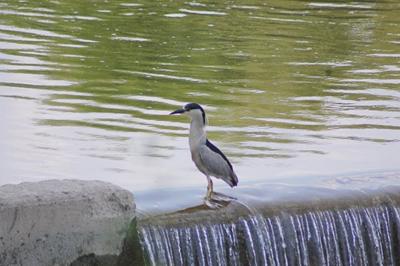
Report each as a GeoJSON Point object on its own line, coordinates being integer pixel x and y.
{"type": "Point", "coordinates": [162, 76]}
{"type": "Point", "coordinates": [290, 88]}
{"type": "Point", "coordinates": [202, 12]}
{"type": "Point", "coordinates": [31, 31]}
{"type": "Point", "coordinates": [130, 39]}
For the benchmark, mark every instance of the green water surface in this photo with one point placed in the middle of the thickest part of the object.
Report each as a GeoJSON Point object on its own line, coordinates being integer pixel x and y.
{"type": "Point", "coordinates": [292, 89]}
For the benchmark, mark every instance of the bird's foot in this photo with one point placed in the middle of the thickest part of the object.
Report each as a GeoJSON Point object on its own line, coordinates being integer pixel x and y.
{"type": "Point", "coordinates": [212, 204]}
{"type": "Point", "coordinates": [222, 197]}
{"type": "Point", "coordinates": [215, 200]}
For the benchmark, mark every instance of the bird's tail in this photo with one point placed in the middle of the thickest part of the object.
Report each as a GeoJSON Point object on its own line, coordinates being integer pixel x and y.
{"type": "Point", "coordinates": [233, 180]}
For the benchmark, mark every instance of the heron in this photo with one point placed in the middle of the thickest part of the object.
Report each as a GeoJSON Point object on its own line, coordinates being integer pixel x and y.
{"type": "Point", "coordinates": [206, 156]}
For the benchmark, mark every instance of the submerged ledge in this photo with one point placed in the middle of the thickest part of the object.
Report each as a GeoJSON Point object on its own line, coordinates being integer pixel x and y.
{"type": "Point", "coordinates": [297, 200]}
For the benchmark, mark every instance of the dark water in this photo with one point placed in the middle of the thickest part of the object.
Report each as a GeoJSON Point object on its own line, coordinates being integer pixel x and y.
{"type": "Point", "coordinates": [292, 89]}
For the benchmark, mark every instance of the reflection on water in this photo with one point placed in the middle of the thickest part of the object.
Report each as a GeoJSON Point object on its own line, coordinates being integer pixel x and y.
{"type": "Point", "coordinates": [291, 88]}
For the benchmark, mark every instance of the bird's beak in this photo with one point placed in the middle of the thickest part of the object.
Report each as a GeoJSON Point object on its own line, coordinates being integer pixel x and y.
{"type": "Point", "coordinates": [179, 111]}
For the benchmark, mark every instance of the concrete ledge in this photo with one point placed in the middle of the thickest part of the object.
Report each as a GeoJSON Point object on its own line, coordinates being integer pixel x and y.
{"type": "Point", "coordinates": [54, 222]}
{"type": "Point", "coordinates": [306, 227]}
{"type": "Point", "coordinates": [297, 200]}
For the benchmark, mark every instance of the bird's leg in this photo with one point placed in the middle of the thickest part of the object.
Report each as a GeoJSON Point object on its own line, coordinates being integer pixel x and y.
{"type": "Point", "coordinates": [209, 188]}
{"type": "Point", "coordinates": [208, 200]}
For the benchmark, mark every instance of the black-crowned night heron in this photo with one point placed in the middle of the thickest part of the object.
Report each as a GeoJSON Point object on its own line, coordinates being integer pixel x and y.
{"type": "Point", "coordinates": [206, 156]}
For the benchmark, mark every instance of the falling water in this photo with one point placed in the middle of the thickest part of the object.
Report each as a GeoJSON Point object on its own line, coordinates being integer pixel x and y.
{"type": "Point", "coordinates": [336, 236]}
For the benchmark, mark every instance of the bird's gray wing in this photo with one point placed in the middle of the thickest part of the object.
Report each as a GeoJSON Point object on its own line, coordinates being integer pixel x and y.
{"type": "Point", "coordinates": [215, 163]}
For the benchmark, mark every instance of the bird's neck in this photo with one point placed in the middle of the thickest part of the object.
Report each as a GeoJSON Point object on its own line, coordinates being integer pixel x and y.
{"type": "Point", "coordinates": [197, 134]}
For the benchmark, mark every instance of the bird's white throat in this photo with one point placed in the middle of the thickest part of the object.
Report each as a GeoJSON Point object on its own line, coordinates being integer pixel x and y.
{"type": "Point", "coordinates": [197, 134]}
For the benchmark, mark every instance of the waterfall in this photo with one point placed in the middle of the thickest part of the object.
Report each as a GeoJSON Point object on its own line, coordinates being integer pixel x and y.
{"type": "Point", "coordinates": [362, 235]}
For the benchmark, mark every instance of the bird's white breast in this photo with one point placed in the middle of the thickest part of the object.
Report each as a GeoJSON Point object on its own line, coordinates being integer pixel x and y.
{"type": "Point", "coordinates": [197, 134]}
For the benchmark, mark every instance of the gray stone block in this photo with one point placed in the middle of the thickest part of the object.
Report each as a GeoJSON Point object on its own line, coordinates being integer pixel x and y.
{"type": "Point", "coordinates": [54, 222]}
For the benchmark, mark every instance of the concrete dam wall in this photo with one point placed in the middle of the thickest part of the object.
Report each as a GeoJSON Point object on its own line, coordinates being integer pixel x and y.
{"type": "Point", "coordinates": [358, 228]}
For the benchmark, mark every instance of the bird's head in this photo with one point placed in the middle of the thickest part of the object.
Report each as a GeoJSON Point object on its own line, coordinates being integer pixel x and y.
{"type": "Point", "coordinates": [193, 110]}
